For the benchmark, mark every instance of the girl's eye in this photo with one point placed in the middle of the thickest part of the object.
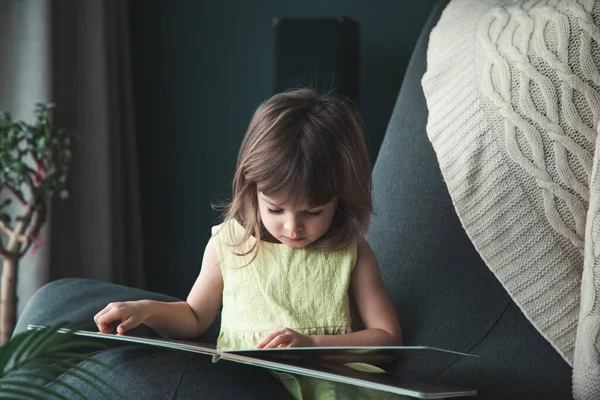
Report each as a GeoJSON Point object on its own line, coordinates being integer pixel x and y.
{"type": "Point", "coordinates": [314, 213]}
{"type": "Point", "coordinates": [271, 211]}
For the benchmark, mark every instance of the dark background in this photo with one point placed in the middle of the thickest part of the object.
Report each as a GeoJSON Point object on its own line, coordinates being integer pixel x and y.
{"type": "Point", "coordinates": [200, 69]}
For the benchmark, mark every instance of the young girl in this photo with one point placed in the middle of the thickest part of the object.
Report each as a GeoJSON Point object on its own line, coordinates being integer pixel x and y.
{"type": "Point", "coordinates": [290, 252]}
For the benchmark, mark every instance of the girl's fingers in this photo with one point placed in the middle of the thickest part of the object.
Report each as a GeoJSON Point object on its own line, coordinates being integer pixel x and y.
{"type": "Point", "coordinates": [100, 318]}
{"type": "Point", "coordinates": [127, 324]}
{"type": "Point", "coordinates": [266, 340]}
{"type": "Point", "coordinates": [101, 313]}
{"type": "Point", "coordinates": [269, 337]}
{"type": "Point", "coordinates": [283, 339]}
{"type": "Point", "coordinates": [105, 320]}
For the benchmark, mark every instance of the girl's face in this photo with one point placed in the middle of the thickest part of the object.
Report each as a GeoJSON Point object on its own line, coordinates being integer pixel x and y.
{"type": "Point", "coordinates": [298, 226]}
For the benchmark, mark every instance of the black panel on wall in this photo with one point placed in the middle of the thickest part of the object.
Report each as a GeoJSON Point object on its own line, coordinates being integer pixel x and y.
{"type": "Point", "coordinates": [321, 53]}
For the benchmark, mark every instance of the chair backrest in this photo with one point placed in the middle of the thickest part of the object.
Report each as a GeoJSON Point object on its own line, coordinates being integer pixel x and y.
{"type": "Point", "coordinates": [443, 291]}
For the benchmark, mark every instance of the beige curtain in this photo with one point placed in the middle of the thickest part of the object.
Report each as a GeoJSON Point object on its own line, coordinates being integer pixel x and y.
{"type": "Point", "coordinates": [76, 53]}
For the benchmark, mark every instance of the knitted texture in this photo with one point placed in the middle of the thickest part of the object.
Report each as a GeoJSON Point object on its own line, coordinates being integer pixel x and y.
{"type": "Point", "coordinates": [512, 89]}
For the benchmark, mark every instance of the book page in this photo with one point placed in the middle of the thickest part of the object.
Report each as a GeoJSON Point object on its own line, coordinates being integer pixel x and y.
{"type": "Point", "coordinates": [342, 355]}
{"type": "Point", "coordinates": [186, 345]}
{"type": "Point", "coordinates": [406, 385]}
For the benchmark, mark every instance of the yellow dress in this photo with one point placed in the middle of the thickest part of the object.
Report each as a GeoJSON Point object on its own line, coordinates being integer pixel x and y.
{"type": "Point", "coordinates": [302, 289]}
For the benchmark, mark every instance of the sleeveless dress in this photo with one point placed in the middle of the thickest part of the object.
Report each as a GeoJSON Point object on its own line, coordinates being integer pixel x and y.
{"type": "Point", "coordinates": [302, 289]}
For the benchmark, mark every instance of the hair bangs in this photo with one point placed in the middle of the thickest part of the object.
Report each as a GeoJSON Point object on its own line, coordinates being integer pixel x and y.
{"type": "Point", "coordinates": [300, 181]}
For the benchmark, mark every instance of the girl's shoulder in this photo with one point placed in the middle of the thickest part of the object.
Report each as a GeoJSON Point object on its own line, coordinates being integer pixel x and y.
{"type": "Point", "coordinates": [228, 231]}
{"type": "Point", "coordinates": [217, 229]}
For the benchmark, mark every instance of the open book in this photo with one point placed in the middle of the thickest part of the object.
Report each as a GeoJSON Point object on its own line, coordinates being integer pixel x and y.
{"type": "Point", "coordinates": [317, 362]}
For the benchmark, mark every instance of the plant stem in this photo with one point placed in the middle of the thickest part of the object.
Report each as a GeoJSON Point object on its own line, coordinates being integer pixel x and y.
{"type": "Point", "coordinates": [8, 289]}
{"type": "Point", "coordinates": [8, 299]}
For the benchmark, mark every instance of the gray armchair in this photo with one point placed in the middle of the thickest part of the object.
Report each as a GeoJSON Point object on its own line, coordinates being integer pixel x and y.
{"type": "Point", "coordinates": [444, 293]}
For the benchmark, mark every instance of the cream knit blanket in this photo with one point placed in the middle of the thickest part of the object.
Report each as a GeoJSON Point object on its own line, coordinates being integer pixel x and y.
{"type": "Point", "coordinates": [513, 92]}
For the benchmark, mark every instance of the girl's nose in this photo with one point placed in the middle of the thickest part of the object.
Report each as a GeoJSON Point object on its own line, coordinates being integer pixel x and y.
{"type": "Point", "coordinates": [291, 225]}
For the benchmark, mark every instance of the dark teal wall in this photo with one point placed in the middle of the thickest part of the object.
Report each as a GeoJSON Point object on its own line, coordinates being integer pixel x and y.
{"type": "Point", "coordinates": [200, 68]}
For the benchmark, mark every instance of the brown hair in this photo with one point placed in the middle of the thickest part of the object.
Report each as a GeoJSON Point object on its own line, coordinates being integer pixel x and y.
{"type": "Point", "coordinates": [311, 149]}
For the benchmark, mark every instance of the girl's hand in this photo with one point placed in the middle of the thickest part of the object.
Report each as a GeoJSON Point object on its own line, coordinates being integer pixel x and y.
{"type": "Point", "coordinates": [130, 314]}
{"type": "Point", "coordinates": [284, 337]}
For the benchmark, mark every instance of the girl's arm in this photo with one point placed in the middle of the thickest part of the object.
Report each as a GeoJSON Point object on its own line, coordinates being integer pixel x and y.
{"type": "Point", "coordinates": [179, 320]}
{"type": "Point", "coordinates": [191, 318]}
{"type": "Point", "coordinates": [374, 306]}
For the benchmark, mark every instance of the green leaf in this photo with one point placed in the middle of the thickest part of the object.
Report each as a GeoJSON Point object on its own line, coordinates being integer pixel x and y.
{"type": "Point", "coordinates": [5, 217]}
{"type": "Point", "coordinates": [7, 351]}
{"type": "Point", "coordinates": [68, 368]}
{"type": "Point", "coordinates": [46, 378]}
{"type": "Point", "coordinates": [33, 386]}
{"type": "Point", "coordinates": [80, 357]}
{"type": "Point", "coordinates": [64, 194]}
{"type": "Point", "coordinates": [40, 140]}
{"type": "Point", "coordinates": [37, 352]}
{"type": "Point", "coordinates": [41, 143]}
{"type": "Point", "coordinates": [31, 344]}
{"type": "Point", "coordinates": [18, 167]}
{"type": "Point", "coordinates": [25, 393]}
{"type": "Point", "coordinates": [79, 344]}
{"type": "Point", "coordinates": [66, 154]}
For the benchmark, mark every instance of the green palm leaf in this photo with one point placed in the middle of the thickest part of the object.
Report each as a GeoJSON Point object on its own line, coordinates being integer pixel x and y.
{"type": "Point", "coordinates": [32, 360]}
{"type": "Point", "coordinates": [10, 384]}
{"type": "Point", "coordinates": [12, 393]}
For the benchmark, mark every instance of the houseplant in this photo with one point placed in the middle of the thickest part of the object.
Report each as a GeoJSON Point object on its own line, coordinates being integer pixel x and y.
{"type": "Point", "coordinates": [31, 362]}
{"type": "Point", "coordinates": [34, 161]}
